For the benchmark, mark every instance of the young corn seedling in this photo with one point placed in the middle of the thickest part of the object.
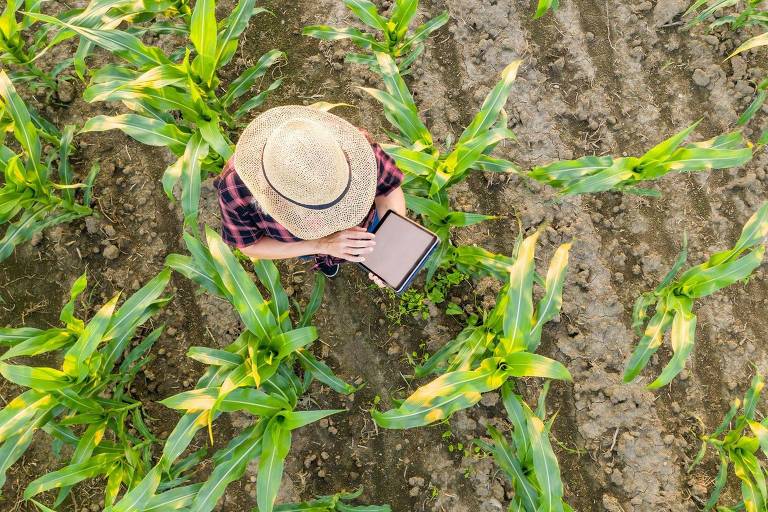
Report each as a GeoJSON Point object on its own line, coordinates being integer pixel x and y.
{"type": "Point", "coordinates": [176, 104]}
{"type": "Point", "coordinates": [394, 39]}
{"type": "Point", "coordinates": [110, 14]}
{"type": "Point", "coordinates": [544, 6]}
{"type": "Point", "coordinates": [89, 392]}
{"type": "Point", "coordinates": [592, 174]}
{"type": "Point", "coordinates": [527, 458]}
{"type": "Point", "coordinates": [17, 52]}
{"type": "Point", "coordinates": [752, 13]}
{"type": "Point", "coordinates": [429, 172]}
{"type": "Point", "coordinates": [30, 201]}
{"type": "Point", "coordinates": [336, 503]}
{"type": "Point", "coordinates": [253, 374]}
{"type": "Point", "coordinates": [674, 297]}
{"type": "Point", "coordinates": [738, 442]}
{"type": "Point", "coordinates": [482, 358]}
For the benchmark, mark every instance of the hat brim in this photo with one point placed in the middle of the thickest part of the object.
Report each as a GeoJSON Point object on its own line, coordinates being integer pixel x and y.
{"type": "Point", "coordinates": [306, 223]}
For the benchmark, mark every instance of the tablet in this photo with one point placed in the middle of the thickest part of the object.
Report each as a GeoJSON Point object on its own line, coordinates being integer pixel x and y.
{"type": "Point", "coordinates": [402, 247]}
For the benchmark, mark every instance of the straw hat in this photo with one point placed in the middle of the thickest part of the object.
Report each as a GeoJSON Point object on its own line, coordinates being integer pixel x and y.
{"type": "Point", "coordinates": [312, 171]}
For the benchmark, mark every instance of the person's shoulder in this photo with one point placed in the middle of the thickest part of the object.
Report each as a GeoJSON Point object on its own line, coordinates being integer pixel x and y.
{"type": "Point", "coordinates": [231, 187]}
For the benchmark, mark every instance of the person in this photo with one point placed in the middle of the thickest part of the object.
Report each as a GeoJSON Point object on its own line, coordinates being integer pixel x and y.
{"type": "Point", "coordinates": [306, 183]}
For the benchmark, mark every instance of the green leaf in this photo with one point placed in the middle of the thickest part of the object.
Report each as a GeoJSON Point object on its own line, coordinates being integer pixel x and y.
{"type": "Point", "coordinates": [524, 364]}
{"type": "Point", "coordinates": [665, 148]}
{"type": "Point", "coordinates": [327, 33]}
{"type": "Point", "coordinates": [234, 25]}
{"type": "Point", "coordinates": [323, 373]}
{"type": "Point", "coordinates": [231, 468]}
{"type": "Point", "coordinates": [550, 304]}
{"type": "Point", "coordinates": [145, 130]}
{"type": "Point", "coordinates": [125, 45]}
{"type": "Point", "coordinates": [247, 78]}
{"type": "Point", "coordinates": [519, 310]}
{"type": "Point", "coordinates": [545, 6]}
{"type": "Point", "coordinates": [14, 336]}
{"type": "Point", "coordinates": [494, 102]}
{"type": "Point", "coordinates": [39, 379]}
{"type": "Point", "coordinates": [77, 356]}
{"type": "Point", "coordinates": [23, 128]}
{"type": "Point", "coordinates": [245, 297]}
{"type": "Point", "coordinates": [202, 33]}
{"type": "Point", "coordinates": [754, 42]}
{"type": "Point", "coordinates": [138, 497]}
{"type": "Point", "coordinates": [191, 179]}
{"type": "Point", "coordinates": [269, 276]}
{"type": "Point", "coordinates": [71, 474]}
{"type": "Point", "coordinates": [682, 337]}
{"type": "Point", "coordinates": [214, 356]}
{"type": "Point", "coordinates": [547, 469]}
{"type": "Point", "coordinates": [176, 499]}
{"type": "Point", "coordinates": [275, 446]}
{"type": "Point", "coordinates": [48, 341]}
{"type": "Point", "coordinates": [649, 343]}
{"type": "Point", "coordinates": [368, 13]}
{"type": "Point", "coordinates": [443, 396]}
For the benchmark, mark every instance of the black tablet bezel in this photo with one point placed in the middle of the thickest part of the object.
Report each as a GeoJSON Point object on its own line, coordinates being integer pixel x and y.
{"type": "Point", "coordinates": [424, 254]}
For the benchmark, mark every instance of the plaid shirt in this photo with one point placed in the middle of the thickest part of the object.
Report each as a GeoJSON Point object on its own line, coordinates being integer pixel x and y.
{"type": "Point", "coordinates": [243, 222]}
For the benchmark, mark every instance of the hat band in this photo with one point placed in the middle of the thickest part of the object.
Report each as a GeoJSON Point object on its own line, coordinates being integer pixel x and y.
{"type": "Point", "coordinates": [310, 206]}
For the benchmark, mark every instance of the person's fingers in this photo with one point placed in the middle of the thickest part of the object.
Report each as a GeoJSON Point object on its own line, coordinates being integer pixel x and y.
{"type": "Point", "coordinates": [359, 244]}
{"type": "Point", "coordinates": [353, 258]}
{"type": "Point", "coordinates": [358, 228]}
{"type": "Point", "coordinates": [357, 235]}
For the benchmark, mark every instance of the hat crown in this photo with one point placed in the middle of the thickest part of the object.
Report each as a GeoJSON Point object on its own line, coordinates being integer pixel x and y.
{"type": "Point", "coordinates": [303, 162]}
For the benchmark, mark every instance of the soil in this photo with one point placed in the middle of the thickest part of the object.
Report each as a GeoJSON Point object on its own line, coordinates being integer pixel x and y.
{"type": "Point", "coordinates": [607, 77]}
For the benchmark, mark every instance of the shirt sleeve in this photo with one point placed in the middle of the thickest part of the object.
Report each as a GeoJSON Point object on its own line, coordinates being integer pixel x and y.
{"type": "Point", "coordinates": [237, 228]}
{"type": "Point", "coordinates": [389, 176]}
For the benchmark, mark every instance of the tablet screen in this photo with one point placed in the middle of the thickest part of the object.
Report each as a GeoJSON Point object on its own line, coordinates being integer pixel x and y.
{"type": "Point", "coordinates": [400, 246]}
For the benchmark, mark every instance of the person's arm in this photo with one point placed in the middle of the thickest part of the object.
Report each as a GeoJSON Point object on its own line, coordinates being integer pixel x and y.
{"type": "Point", "coordinates": [394, 200]}
{"type": "Point", "coordinates": [351, 245]}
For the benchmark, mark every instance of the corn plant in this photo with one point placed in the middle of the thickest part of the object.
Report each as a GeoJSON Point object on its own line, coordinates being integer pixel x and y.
{"type": "Point", "coordinates": [176, 104]}
{"type": "Point", "coordinates": [334, 503]}
{"type": "Point", "coordinates": [528, 459]}
{"type": "Point", "coordinates": [110, 14]}
{"type": "Point", "coordinates": [254, 374]}
{"type": "Point", "coordinates": [738, 441]}
{"type": "Point", "coordinates": [89, 392]}
{"type": "Point", "coordinates": [15, 50]}
{"type": "Point", "coordinates": [482, 358]}
{"type": "Point", "coordinates": [592, 174]}
{"type": "Point", "coordinates": [30, 201]}
{"type": "Point", "coordinates": [544, 6]}
{"type": "Point", "coordinates": [393, 39]}
{"type": "Point", "coordinates": [674, 297]}
{"type": "Point", "coordinates": [752, 13]}
{"type": "Point", "coordinates": [429, 173]}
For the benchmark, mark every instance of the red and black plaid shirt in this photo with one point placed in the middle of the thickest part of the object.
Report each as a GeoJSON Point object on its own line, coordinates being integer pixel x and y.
{"type": "Point", "coordinates": [243, 222]}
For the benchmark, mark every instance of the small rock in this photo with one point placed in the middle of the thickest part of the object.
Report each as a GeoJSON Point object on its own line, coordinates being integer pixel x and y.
{"type": "Point", "coordinates": [111, 252]}
{"type": "Point", "coordinates": [66, 92]}
{"type": "Point", "coordinates": [700, 78]}
{"type": "Point", "coordinates": [36, 239]}
{"type": "Point", "coordinates": [109, 230]}
{"type": "Point", "coordinates": [91, 225]}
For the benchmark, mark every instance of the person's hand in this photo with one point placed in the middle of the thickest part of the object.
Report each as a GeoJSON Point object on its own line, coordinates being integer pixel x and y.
{"type": "Point", "coordinates": [351, 244]}
{"type": "Point", "coordinates": [377, 281]}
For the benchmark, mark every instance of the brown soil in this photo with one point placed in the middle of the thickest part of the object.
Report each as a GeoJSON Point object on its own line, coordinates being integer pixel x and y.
{"type": "Point", "coordinates": [598, 77]}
